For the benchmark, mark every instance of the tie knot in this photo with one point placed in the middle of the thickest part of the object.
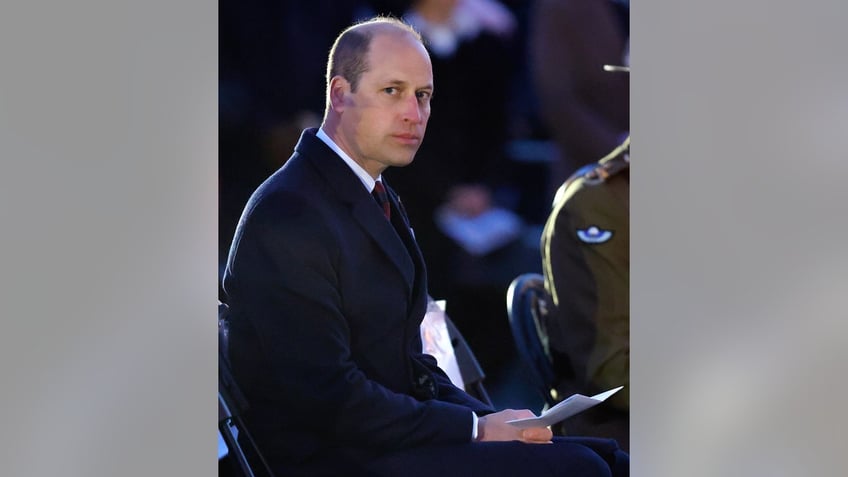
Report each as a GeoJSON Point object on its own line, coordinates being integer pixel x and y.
{"type": "Point", "coordinates": [382, 198]}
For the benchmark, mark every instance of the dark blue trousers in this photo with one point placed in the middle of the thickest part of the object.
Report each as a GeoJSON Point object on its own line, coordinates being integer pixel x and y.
{"type": "Point", "coordinates": [565, 457]}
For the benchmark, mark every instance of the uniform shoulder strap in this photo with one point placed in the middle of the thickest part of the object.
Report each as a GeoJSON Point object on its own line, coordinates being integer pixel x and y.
{"type": "Point", "coordinates": [608, 166]}
{"type": "Point", "coordinates": [611, 164]}
{"type": "Point", "coordinates": [598, 172]}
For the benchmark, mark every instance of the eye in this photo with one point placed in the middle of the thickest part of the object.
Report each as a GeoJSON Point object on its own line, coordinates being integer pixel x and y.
{"type": "Point", "coordinates": [423, 95]}
{"type": "Point", "coordinates": [390, 90]}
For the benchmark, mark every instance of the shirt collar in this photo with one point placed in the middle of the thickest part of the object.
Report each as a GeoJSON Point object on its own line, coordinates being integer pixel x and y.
{"type": "Point", "coordinates": [363, 175]}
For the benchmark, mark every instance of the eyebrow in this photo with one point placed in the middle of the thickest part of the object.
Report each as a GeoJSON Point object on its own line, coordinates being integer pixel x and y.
{"type": "Point", "coordinates": [428, 86]}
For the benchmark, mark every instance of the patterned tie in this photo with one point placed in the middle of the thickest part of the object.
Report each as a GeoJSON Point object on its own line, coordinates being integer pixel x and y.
{"type": "Point", "coordinates": [382, 198]}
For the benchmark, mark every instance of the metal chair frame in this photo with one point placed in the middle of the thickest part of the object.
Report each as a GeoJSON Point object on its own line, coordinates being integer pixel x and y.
{"type": "Point", "coordinates": [247, 461]}
{"type": "Point", "coordinates": [527, 302]}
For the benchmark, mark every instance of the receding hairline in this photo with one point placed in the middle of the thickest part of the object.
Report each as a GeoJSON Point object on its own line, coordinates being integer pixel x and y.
{"type": "Point", "coordinates": [383, 25]}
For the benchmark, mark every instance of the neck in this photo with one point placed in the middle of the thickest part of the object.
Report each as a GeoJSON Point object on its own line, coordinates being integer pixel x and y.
{"type": "Point", "coordinates": [332, 130]}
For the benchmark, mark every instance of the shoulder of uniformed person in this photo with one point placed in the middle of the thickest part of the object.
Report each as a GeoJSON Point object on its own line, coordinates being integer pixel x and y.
{"type": "Point", "coordinates": [598, 172]}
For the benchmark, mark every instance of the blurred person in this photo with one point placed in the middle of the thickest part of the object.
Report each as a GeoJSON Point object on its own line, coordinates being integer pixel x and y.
{"type": "Point", "coordinates": [585, 109]}
{"type": "Point", "coordinates": [585, 243]}
{"type": "Point", "coordinates": [586, 263]}
{"type": "Point", "coordinates": [327, 289]}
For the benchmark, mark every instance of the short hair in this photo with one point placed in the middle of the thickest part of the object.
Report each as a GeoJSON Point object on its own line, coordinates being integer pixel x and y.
{"type": "Point", "coordinates": [348, 55]}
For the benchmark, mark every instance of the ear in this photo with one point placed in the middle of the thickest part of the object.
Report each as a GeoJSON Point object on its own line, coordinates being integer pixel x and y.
{"type": "Point", "coordinates": [339, 90]}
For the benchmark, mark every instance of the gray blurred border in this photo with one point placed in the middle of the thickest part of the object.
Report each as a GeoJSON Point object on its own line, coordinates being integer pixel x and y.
{"type": "Point", "coordinates": [108, 206]}
{"type": "Point", "coordinates": [739, 208]}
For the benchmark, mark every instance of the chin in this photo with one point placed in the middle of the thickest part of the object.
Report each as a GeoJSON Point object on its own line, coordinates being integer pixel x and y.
{"type": "Point", "coordinates": [403, 161]}
{"type": "Point", "coordinates": [407, 162]}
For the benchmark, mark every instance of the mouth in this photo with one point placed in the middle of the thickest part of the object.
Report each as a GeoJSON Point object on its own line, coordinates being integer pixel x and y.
{"type": "Point", "coordinates": [410, 139]}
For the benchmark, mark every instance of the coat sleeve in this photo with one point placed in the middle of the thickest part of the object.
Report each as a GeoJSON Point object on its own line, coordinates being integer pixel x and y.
{"type": "Point", "coordinates": [447, 391]}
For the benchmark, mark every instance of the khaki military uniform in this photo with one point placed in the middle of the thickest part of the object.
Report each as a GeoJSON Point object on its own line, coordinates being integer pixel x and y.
{"type": "Point", "coordinates": [586, 260]}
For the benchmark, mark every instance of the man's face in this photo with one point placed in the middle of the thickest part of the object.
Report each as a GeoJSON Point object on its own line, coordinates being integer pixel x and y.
{"type": "Point", "coordinates": [383, 121]}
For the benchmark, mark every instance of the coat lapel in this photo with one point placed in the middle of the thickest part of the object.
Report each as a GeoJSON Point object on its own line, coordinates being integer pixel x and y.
{"type": "Point", "coordinates": [371, 218]}
{"type": "Point", "coordinates": [401, 224]}
{"type": "Point", "coordinates": [344, 183]}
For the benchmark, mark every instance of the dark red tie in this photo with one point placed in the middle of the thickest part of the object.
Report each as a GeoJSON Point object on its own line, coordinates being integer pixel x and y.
{"type": "Point", "coordinates": [382, 198]}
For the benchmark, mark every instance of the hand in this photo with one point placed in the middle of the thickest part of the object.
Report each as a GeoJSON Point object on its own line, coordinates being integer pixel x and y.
{"type": "Point", "coordinates": [493, 427]}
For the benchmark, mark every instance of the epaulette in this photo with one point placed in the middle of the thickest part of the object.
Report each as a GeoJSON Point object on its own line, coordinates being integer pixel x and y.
{"type": "Point", "coordinates": [598, 172]}
{"type": "Point", "coordinates": [610, 165]}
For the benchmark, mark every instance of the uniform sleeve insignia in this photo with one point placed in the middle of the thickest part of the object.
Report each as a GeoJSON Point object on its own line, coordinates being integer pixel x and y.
{"type": "Point", "coordinates": [593, 234]}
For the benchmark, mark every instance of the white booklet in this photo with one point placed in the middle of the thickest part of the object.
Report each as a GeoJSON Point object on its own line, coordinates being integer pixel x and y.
{"type": "Point", "coordinates": [574, 404]}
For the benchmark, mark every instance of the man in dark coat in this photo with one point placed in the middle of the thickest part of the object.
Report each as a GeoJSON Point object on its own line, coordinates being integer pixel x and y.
{"type": "Point", "coordinates": [327, 289]}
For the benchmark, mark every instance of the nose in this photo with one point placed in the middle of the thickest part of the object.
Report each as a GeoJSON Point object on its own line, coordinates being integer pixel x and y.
{"type": "Point", "coordinates": [411, 111]}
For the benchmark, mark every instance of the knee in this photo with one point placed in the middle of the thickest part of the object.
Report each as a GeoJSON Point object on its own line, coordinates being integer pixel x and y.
{"type": "Point", "coordinates": [621, 466]}
{"type": "Point", "coordinates": [585, 462]}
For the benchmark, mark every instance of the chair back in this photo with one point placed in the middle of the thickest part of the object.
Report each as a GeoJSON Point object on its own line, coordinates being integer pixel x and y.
{"type": "Point", "coordinates": [527, 301]}
{"type": "Point", "coordinates": [242, 452]}
{"type": "Point", "coordinates": [470, 369]}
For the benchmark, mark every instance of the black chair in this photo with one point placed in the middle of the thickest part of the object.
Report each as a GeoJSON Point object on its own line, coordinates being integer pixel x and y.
{"type": "Point", "coordinates": [527, 301]}
{"type": "Point", "coordinates": [472, 374]}
{"type": "Point", "coordinates": [243, 457]}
